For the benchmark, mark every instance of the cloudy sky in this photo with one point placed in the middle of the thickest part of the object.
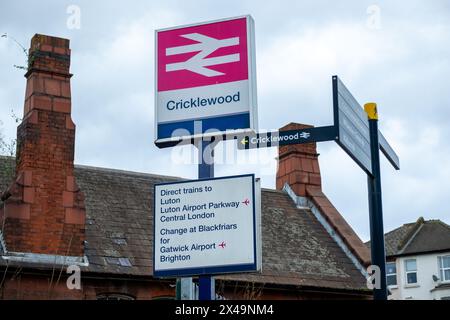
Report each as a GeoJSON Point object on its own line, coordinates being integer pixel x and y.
{"type": "Point", "coordinates": [397, 54]}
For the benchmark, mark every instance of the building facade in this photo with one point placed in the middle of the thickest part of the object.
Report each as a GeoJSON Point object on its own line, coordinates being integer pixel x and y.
{"type": "Point", "coordinates": [418, 261]}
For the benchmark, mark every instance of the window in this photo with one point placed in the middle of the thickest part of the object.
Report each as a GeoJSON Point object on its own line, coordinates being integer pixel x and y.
{"type": "Point", "coordinates": [391, 274]}
{"type": "Point", "coordinates": [411, 271]}
{"type": "Point", "coordinates": [444, 268]}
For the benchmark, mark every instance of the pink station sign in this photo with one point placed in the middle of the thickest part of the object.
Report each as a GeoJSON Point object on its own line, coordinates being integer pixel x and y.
{"type": "Point", "coordinates": [205, 79]}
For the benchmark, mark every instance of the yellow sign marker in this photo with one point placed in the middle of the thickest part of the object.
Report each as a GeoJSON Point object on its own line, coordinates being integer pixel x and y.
{"type": "Point", "coordinates": [371, 110]}
{"type": "Point", "coordinates": [244, 141]}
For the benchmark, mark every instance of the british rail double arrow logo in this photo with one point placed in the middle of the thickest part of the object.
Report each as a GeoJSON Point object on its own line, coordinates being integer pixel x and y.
{"type": "Point", "coordinates": [205, 46]}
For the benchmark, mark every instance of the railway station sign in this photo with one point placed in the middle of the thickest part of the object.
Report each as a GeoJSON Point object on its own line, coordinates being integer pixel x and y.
{"type": "Point", "coordinates": [205, 80]}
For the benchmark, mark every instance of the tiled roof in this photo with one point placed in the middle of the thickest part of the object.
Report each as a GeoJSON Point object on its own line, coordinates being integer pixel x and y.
{"type": "Point", "coordinates": [418, 237]}
{"type": "Point", "coordinates": [297, 250]}
{"type": "Point", "coordinates": [339, 224]}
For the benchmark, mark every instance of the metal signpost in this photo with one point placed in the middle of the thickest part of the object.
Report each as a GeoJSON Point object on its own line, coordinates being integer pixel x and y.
{"type": "Point", "coordinates": [205, 87]}
{"type": "Point", "coordinates": [375, 204]}
{"type": "Point", "coordinates": [207, 285]}
{"type": "Point", "coordinates": [358, 135]}
{"type": "Point", "coordinates": [356, 131]}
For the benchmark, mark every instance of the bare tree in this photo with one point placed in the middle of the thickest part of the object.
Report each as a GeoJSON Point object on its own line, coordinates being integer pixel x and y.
{"type": "Point", "coordinates": [7, 148]}
{"type": "Point", "coordinates": [22, 48]}
{"type": "Point", "coordinates": [8, 166]}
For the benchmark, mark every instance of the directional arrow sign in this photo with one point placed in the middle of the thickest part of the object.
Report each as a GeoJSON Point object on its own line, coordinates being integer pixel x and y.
{"type": "Point", "coordinates": [388, 151]}
{"type": "Point", "coordinates": [282, 138]}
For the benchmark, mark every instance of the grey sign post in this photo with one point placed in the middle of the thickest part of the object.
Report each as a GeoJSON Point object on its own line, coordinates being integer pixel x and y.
{"type": "Point", "coordinates": [359, 136]}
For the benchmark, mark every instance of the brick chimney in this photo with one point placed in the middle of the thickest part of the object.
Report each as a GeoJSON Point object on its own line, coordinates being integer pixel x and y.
{"type": "Point", "coordinates": [298, 165]}
{"type": "Point", "coordinates": [44, 209]}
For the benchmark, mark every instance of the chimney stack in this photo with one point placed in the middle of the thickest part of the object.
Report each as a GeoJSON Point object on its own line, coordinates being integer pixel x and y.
{"type": "Point", "coordinates": [298, 165]}
{"type": "Point", "coordinates": [44, 210]}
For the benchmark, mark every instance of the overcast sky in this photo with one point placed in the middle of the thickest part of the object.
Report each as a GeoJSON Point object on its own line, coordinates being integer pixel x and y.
{"type": "Point", "coordinates": [396, 54]}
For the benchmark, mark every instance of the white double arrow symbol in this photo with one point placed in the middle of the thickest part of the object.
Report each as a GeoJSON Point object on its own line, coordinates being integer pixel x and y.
{"type": "Point", "coordinates": [198, 63]}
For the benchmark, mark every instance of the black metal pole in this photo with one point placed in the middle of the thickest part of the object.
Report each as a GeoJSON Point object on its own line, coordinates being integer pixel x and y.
{"type": "Point", "coordinates": [206, 170]}
{"type": "Point", "coordinates": [375, 206]}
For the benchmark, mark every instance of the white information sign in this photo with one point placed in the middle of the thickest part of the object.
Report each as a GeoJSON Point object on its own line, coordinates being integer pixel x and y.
{"type": "Point", "coordinates": [209, 226]}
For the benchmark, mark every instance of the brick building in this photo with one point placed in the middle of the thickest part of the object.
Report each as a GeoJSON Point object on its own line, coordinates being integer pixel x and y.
{"type": "Point", "coordinates": [54, 214]}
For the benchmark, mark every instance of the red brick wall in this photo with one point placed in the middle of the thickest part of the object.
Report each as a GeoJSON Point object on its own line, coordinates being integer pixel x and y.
{"type": "Point", "coordinates": [26, 286]}
{"type": "Point", "coordinates": [45, 211]}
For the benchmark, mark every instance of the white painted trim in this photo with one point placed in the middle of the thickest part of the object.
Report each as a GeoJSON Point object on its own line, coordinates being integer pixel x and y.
{"type": "Point", "coordinates": [247, 16]}
{"type": "Point", "coordinates": [300, 202]}
{"type": "Point", "coordinates": [3, 249]}
{"type": "Point", "coordinates": [49, 259]}
{"type": "Point", "coordinates": [305, 203]}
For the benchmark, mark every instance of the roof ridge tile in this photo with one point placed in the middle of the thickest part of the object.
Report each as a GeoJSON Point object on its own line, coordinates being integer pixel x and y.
{"type": "Point", "coordinates": [409, 236]}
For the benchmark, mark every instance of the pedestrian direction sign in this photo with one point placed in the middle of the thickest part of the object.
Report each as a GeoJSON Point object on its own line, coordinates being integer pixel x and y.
{"type": "Point", "coordinates": [207, 226]}
{"type": "Point", "coordinates": [282, 138]}
{"type": "Point", "coordinates": [388, 151]}
{"type": "Point", "coordinates": [352, 129]}
{"type": "Point", "coordinates": [352, 126]}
